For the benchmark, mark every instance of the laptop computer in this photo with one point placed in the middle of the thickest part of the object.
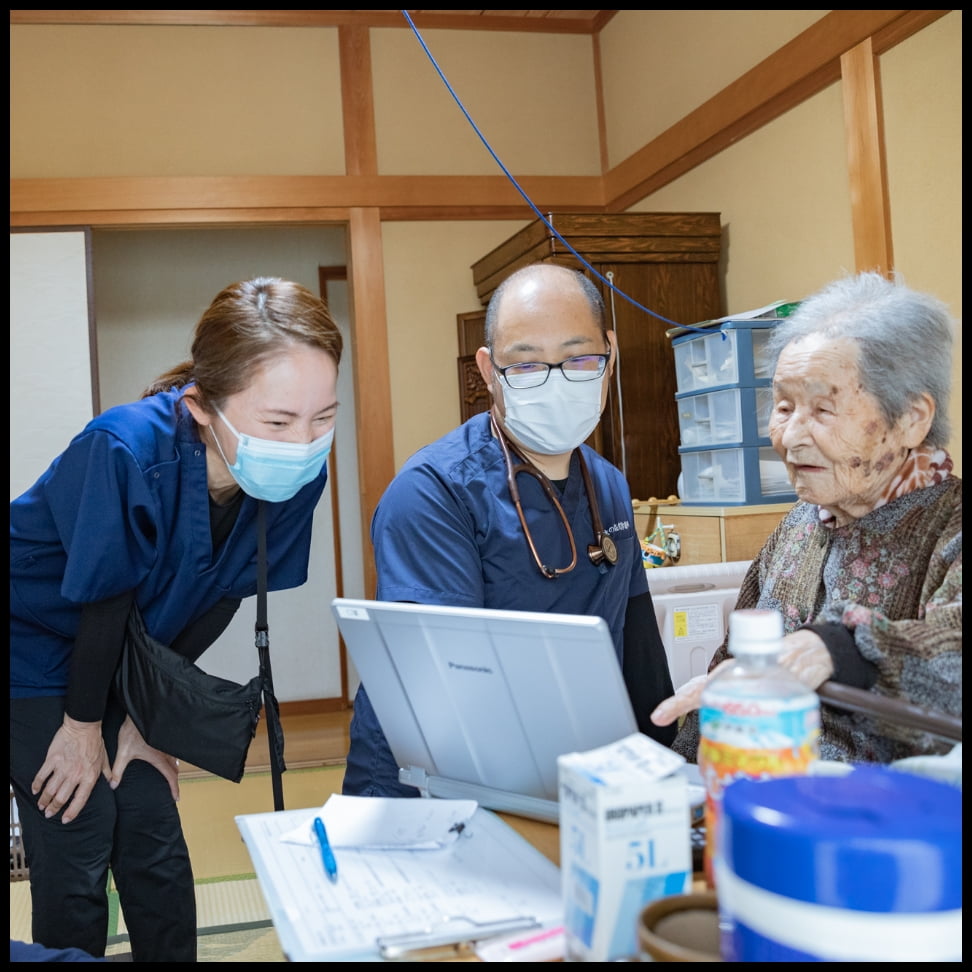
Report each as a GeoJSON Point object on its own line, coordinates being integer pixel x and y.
{"type": "Point", "coordinates": [478, 703]}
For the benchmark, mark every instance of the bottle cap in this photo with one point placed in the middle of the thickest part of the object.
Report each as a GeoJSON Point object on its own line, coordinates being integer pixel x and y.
{"type": "Point", "coordinates": [756, 631]}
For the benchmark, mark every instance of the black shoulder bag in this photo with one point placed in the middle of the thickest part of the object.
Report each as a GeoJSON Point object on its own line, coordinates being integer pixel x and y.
{"type": "Point", "coordinates": [203, 719]}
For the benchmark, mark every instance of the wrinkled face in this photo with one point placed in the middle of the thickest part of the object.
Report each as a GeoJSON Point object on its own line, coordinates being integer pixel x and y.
{"type": "Point", "coordinates": [839, 451]}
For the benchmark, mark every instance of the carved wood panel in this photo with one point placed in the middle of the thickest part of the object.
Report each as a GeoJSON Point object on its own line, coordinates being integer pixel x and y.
{"type": "Point", "coordinates": [473, 394]}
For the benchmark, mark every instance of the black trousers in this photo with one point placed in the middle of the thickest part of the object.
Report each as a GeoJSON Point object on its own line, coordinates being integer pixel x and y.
{"type": "Point", "coordinates": [134, 830]}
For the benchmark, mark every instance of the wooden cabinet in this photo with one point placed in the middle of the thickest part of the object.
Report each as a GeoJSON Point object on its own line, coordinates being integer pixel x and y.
{"type": "Point", "coordinates": [665, 271]}
{"type": "Point", "coordinates": [713, 534]}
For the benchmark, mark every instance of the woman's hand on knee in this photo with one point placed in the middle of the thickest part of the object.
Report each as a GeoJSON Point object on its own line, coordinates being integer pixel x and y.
{"type": "Point", "coordinates": [131, 746]}
{"type": "Point", "coordinates": [75, 757]}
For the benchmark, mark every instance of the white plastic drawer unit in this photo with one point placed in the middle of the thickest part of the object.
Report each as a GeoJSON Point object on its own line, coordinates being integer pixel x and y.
{"type": "Point", "coordinates": [733, 477]}
{"type": "Point", "coordinates": [733, 416]}
{"type": "Point", "coordinates": [734, 354]}
{"type": "Point", "coordinates": [692, 606]}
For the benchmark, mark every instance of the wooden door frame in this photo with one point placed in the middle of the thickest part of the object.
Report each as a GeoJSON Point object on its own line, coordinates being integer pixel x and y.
{"type": "Point", "coordinates": [325, 276]}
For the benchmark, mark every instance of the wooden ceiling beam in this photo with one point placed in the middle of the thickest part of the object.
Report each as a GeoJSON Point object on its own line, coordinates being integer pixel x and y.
{"type": "Point", "coordinates": [417, 197]}
{"type": "Point", "coordinates": [531, 21]}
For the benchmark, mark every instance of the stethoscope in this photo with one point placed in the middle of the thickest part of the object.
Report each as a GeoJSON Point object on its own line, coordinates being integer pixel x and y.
{"type": "Point", "coordinates": [603, 548]}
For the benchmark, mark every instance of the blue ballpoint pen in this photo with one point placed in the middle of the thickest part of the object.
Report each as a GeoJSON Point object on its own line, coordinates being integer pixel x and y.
{"type": "Point", "coordinates": [330, 865]}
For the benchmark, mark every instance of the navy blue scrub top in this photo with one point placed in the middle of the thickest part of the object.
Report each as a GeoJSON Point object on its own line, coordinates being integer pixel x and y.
{"type": "Point", "coordinates": [126, 507]}
{"type": "Point", "coordinates": [446, 532]}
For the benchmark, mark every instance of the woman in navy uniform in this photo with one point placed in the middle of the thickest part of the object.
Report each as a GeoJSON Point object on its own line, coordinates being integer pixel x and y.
{"type": "Point", "coordinates": [155, 503]}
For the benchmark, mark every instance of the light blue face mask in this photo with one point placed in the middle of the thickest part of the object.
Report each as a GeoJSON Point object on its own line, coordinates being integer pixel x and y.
{"type": "Point", "coordinates": [274, 471]}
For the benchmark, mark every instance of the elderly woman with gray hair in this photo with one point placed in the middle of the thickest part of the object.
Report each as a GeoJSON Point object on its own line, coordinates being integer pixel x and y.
{"type": "Point", "coordinates": [866, 568]}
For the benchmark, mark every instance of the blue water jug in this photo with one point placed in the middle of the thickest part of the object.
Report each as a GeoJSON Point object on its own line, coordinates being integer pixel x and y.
{"type": "Point", "coordinates": [855, 868]}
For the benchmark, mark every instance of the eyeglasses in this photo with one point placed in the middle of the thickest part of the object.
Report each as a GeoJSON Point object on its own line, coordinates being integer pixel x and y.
{"type": "Point", "coordinates": [532, 374]}
{"type": "Point", "coordinates": [602, 549]}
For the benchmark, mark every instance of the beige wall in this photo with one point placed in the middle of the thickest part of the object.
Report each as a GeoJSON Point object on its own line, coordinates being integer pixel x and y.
{"type": "Point", "coordinates": [108, 100]}
{"type": "Point", "coordinates": [922, 83]}
{"type": "Point", "coordinates": [143, 101]}
{"type": "Point", "coordinates": [195, 100]}
{"type": "Point", "coordinates": [429, 264]}
{"type": "Point", "coordinates": [784, 201]}
{"type": "Point", "coordinates": [531, 96]}
{"type": "Point", "coordinates": [658, 65]}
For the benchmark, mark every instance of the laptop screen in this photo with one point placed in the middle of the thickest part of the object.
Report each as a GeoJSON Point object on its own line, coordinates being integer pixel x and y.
{"type": "Point", "coordinates": [484, 700]}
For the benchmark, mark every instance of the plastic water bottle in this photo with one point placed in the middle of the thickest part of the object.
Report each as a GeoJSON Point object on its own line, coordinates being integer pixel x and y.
{"type": "Point", "coordinates": [756, 719]}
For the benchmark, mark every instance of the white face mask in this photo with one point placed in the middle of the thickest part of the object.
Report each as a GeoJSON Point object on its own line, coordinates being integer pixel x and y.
{"type": "Point", "coordinates": [554, 417]}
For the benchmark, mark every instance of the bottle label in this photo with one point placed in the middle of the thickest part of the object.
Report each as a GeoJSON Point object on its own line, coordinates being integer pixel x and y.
{"type": "Point", "coordinates": [752, 738]}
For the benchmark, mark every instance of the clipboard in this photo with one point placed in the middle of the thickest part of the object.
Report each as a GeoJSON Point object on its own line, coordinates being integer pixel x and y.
{"type": "Point", "coordinates": [395, 904]}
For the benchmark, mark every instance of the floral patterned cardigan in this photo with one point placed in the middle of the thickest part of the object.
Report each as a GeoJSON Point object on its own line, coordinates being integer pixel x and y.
{"type": "Point", "coordinates": [885, 594]}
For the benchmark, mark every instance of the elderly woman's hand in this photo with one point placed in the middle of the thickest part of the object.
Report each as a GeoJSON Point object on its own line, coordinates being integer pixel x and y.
{"type": "Point", "coordinates": [804, 654]}
{"type": "Point", "coordinates": [685, 699]}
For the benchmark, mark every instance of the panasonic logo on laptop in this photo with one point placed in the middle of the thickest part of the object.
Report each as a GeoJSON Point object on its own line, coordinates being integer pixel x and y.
{"type": "Point", "coordinates": [471, 668]}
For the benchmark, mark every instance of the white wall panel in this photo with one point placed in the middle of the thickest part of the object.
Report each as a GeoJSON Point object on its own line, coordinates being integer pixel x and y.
{"type": "Point", "coordinates": [50, 349]}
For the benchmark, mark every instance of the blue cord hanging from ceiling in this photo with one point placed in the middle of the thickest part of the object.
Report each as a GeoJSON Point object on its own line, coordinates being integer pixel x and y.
{"type": "Point", "coordinates": [530, 202]}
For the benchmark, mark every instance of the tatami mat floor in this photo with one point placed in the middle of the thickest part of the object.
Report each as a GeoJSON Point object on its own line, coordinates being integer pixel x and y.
{"type": "Point", "coordinates": [234, 901]}
{"type": "Point", "coordinates": [227, 892]}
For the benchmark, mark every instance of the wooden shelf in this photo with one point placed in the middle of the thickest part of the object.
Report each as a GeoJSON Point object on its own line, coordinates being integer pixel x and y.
{"type": "Point", "coordinates": [714, 534]}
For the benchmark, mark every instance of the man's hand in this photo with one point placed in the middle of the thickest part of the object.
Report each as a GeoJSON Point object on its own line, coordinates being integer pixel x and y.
{"type": "Point", "coordinates": [131, 746]}
{"type": "Point", "coordinates": [75, 757]}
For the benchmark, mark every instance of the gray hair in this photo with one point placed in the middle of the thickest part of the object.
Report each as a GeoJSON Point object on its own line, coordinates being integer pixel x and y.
{"type": "Point", "coordinates": [586, 285]}
{"type": "Point", "coordinates": [904, 339]}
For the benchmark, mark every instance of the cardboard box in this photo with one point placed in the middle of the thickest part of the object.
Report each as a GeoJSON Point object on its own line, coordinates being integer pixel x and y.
{"type": "Point", "coordinates": [624, 841]}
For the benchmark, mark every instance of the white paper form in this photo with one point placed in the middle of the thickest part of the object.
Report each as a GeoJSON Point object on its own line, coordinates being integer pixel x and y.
{"type": "Point", "coordinates": [490, 874]}
{"type": "Point", "coordinates": [386, 823]}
